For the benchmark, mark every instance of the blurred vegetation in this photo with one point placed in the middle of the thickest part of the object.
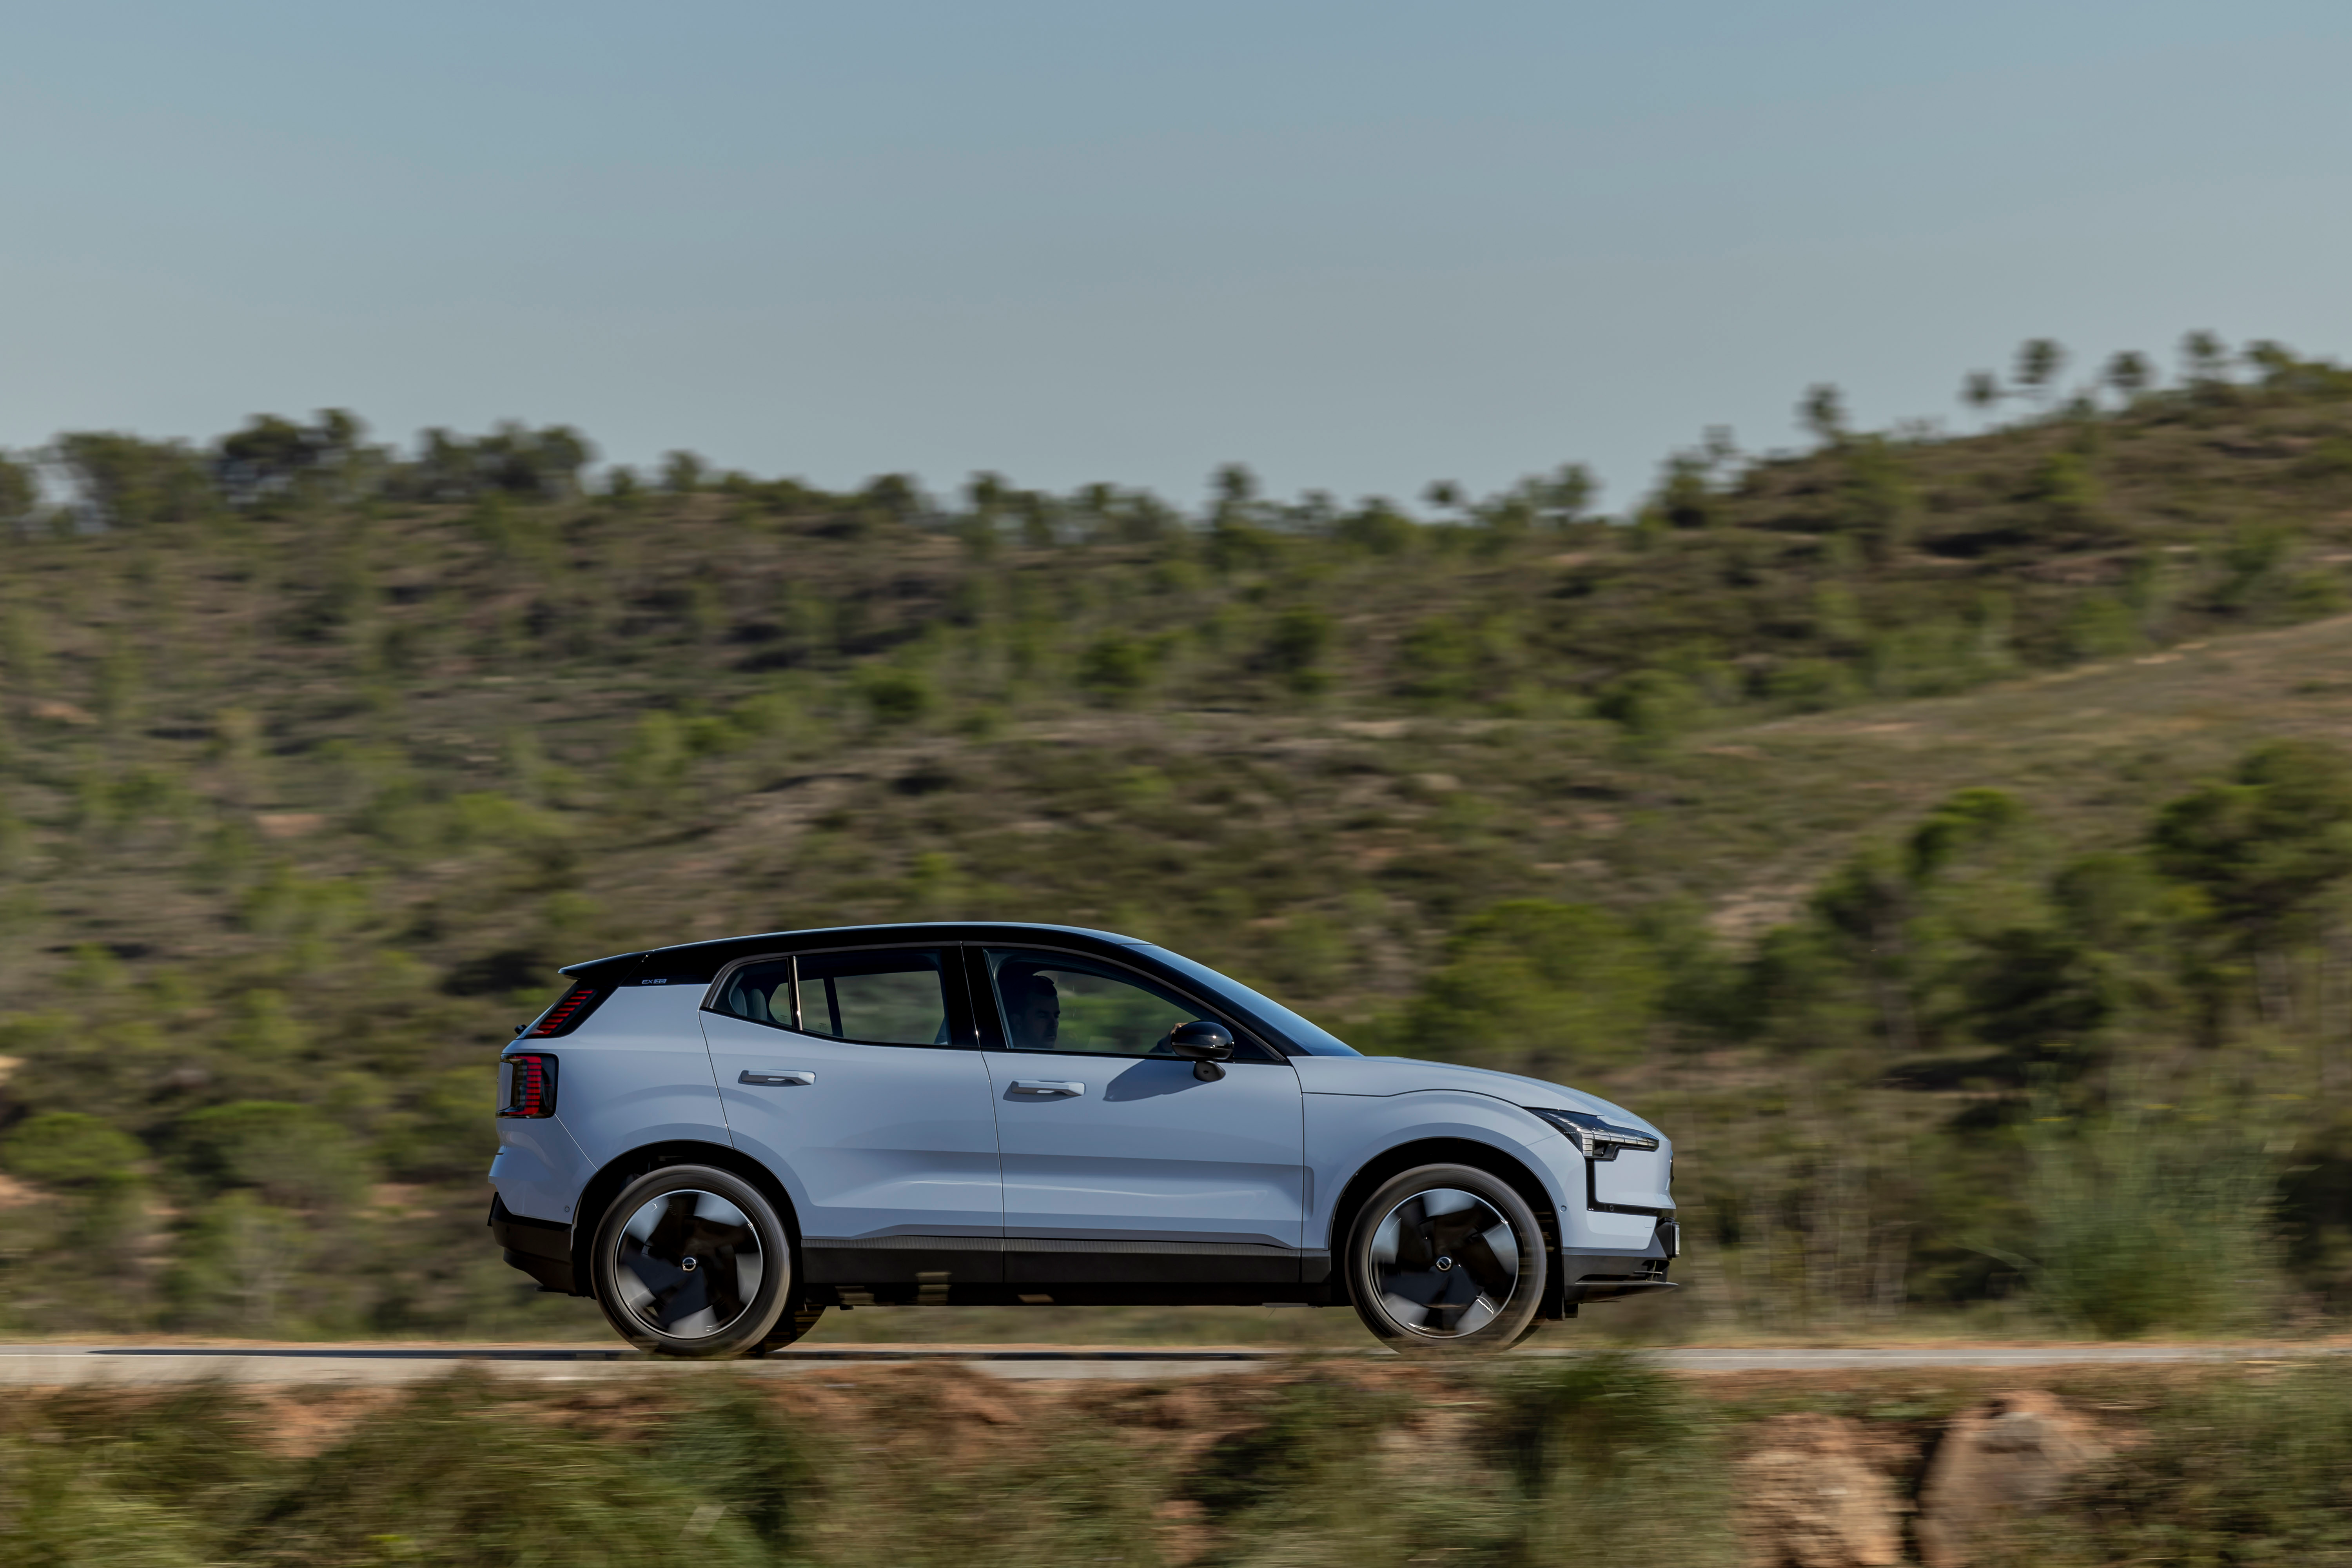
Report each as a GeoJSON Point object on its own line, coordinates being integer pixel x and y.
{"type": "Point", "coordinates": [2244, 1469]}
{"type": "Point", "coordinates": [1945, 836]}
{"type": "Point", "coordinates": [1297, 1470]}
{"type": "Point", "coordinates": [1313, 1463]}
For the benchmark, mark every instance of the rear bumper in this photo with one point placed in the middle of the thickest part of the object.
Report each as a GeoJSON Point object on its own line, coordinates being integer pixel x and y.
{"type": "Point", "coordinates": [539, 1247]}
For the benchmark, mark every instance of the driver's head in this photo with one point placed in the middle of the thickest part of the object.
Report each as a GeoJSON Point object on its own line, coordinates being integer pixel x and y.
{"type": "Point", "coordinates": [1033, 1006]}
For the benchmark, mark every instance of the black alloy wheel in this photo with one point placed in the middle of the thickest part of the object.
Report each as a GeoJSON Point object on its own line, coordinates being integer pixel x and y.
{"type": "Point", "coordinates": [690, 1260]}
{"type": "Point", "coordinates": [1447, 1260]}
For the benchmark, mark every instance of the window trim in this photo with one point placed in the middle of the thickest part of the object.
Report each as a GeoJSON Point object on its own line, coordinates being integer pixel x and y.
{"type": "Point", "coordinates": [989, 1022]}
{"type": "Point", "coordinates": [954, 1000]}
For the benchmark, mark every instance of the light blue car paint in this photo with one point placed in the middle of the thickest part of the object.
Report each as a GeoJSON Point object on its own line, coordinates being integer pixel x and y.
{"type": "Point", "coordinates": [538, 1169]}
{"type": "Point", "coordinates": [1146, 1152]}
{"type": "Point", "coordinates": [883, 1141]}
{"type": "Point", "coordinates": [634, 1075]}
{"type": "Point", "coordinates": [879, 1142]}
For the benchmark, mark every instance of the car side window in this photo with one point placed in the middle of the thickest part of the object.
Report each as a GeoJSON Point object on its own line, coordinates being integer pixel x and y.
{"type": "Point", "coordinates": [893, 997]}
{"type": "Point", "coordinates": [760, 992]}
{"type": "Point", "coordinates": [1056, 1002]}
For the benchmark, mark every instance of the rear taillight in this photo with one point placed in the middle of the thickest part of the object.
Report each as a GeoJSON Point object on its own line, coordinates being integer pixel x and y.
{"type": "Point", "coordinates": [564, 1016]}
{"type": "Point", "coordinates": [527, 1084]}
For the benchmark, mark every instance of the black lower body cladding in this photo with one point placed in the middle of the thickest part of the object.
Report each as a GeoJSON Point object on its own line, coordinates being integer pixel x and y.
{"type": "Point", "coordinates": [539, 1247]}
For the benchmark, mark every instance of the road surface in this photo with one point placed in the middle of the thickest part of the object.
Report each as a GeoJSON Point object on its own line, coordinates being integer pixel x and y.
{"type": "Point", "coordinates": [42, 1366]}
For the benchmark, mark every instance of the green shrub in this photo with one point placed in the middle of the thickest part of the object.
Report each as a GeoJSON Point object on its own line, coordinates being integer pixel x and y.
{"type": "Point", "coordinates": [282, 1150]}
{"type": "Point", "coordinates": [1436, 660]}
{"type": "Point", "coordinates": [19, 491]}
{"type": "Point", "coordinates": [653, 763]}
{"type": "Point", "coordinates": [2312, 595]}
{"type": "Point", "coordinates": [240, 1266]}
{"type": "Point", "coordinates": [1653, 707]}
{"type": "Point", "coordinates": [1605, 1436]}
{"type": "Point", "coordinates": [1115, 670]}
{"type": "Point", "coordinates": [447, 1135]}
{"type": "Point", "coordinates": [69, 1149]}
{"type": "Point", "coordinates": [2143, 1222]}
{"type": "Point", "coordinates": [1306, 1484]}
{"type": "Point", "coordinates": [2100, 626]}
{"type": "Point", "coordinates": [1538, 985]}
{"type": "Point", "coordinates": [2067, 494]}
{"type": "Point", "coordinates": [2253, 558]}
{"type": "Point", "coordinates": [451, 1475]}
{"type": "Point", "coordinates": [2231, 1469]}
{"type": "Point", "coordinates": [72, 1510]}
{"type": "Point", "coordinates": [1811, 685]}
{"type": "Point", "coordinates": [1880, 504]}
{"type": "Point", "coordinates": [1294, 649]}
{"type": "Point", "coordinates": [896, 696]}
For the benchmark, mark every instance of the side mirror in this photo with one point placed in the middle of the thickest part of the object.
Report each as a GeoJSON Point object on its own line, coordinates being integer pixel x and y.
{"type": "Point", "coordinates": [1204, 1045]}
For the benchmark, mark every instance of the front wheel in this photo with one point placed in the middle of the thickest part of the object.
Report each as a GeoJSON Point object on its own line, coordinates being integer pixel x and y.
{"type": "Point", "coordinates": [692, 1260]}
{"type": "Point", "coordinates": [792, 1327]}
{"type": "Point", "coordinates": [1447, 1260]}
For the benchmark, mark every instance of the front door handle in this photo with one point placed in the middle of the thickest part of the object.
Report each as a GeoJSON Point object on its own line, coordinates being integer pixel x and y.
{"type": "Point", "coordinates": [1046, 1086]}
{"type": "Point", "coordinates": [774, 1076]}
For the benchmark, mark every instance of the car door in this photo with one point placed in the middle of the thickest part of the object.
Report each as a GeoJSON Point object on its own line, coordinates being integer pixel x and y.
{"type": "Point", "coordinates": [850, 1075]}
{"type": "Point", "coordinates": [1121, 1163]}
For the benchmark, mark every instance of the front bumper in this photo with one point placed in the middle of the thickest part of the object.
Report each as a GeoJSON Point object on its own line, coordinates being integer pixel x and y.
{"type": "Point", "coordinates": [1589, 1275]}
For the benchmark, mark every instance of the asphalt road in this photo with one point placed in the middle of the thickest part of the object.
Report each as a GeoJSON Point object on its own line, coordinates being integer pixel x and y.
{"type": "Point", "coordinates": [46, 1365]}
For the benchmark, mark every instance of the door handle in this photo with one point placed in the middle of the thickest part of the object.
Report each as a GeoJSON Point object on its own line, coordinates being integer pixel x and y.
{"type": "Point", "coordinates": [1046, 1086]}
{"type": "Point", "coordinates": [774, 1076]}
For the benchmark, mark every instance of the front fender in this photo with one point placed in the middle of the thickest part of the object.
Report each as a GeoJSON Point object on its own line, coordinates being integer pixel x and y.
{"type": "Point", "coordinates": [1346, 1132]}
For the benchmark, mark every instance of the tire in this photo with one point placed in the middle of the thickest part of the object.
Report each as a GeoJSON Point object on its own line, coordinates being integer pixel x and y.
{"type": "Point", "coordinates": [1447, 1260]}
{"type": "Point", "coordinates": [793, 1326]}
{"type": "Point", "coordinates": [692, 1260]}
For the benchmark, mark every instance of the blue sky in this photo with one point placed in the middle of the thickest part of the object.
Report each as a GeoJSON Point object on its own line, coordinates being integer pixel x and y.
{"type": "Point", "coordinates": [1360, 247]}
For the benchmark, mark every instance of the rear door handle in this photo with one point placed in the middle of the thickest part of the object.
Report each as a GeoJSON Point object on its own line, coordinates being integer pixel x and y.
{"type": "Point", "coordinates": [1046, 1086]}
{"type": "Point", "coordinates": [774, 1076]}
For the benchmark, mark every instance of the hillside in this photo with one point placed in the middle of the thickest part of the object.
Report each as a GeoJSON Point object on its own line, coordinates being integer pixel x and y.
{"type": "Point", "coordinates": [319, 758]}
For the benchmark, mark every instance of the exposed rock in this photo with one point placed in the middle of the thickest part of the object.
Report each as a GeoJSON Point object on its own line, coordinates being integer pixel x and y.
{"type": "Point", "coordinates": [1812, 1497]}
{"type": "Point", "coordinates": [1182, 1530]}
{"type": "Point", "coordinates": [2009, 1457]}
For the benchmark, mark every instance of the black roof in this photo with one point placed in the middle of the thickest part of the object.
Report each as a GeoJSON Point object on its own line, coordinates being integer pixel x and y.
{"type": "Point", "coordinates": [700, 962]}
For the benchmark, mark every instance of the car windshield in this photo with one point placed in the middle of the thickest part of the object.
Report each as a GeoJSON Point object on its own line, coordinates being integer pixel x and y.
{"type": "Point", "coordinates": [1309, 1036]}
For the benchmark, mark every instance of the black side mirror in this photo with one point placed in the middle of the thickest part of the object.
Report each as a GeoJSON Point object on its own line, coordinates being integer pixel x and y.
{"type": "Point", "coordinates": [1204, 1045]}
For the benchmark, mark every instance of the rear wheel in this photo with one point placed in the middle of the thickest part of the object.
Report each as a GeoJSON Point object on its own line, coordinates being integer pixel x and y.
{"type": "Point", "coordinates": [1447, 1260]}
{"type": "Point", "coordinates": [692, 1260]}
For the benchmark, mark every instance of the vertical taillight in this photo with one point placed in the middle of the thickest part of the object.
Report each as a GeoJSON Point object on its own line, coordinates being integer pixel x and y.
{"type": "Point", "coordinates": [560, 1018]}
{"type": "Point", "coordinates": [527, 1084]}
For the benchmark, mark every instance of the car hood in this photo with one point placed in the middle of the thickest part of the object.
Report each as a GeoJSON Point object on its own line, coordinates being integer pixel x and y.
{"type": "Point", "coordinates": [1404, 1075]}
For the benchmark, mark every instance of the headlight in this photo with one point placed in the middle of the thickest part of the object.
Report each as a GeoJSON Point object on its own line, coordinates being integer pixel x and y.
{"type": "Point", "coordinates": [1599, 1140]}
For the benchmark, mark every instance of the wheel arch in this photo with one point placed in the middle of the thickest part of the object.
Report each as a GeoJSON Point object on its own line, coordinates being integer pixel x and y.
{"type": "Point", "coordinates": [1496, 1161]}
{"type": "Point", "coordinates": [606, 1185]}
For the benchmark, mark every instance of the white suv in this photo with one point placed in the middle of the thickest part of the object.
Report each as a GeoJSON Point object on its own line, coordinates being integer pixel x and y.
{"type": "Point", "coordinates": [719, 1140]}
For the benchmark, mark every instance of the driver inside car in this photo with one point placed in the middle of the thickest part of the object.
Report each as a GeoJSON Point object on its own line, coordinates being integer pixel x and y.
{"type": "Point", "coordinates": [1032, 1009]}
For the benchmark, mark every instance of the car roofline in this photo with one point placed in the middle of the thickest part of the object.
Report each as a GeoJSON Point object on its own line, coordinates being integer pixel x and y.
{"type": "Point", "coordinates": [967, 930]}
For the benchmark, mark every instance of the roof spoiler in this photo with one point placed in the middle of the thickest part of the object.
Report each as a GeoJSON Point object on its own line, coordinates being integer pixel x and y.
{"type": "Point", "coordinates": [605, 971]}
